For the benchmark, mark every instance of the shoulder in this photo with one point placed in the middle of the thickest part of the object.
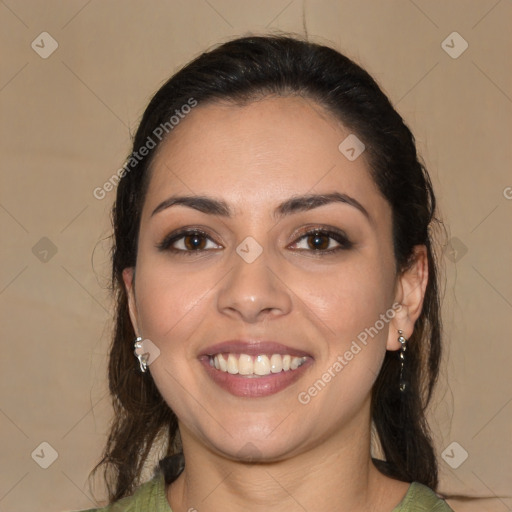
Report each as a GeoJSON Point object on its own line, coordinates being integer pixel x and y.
{"type": "Point", "coordinates": [148, 496]}
{"type": "Point", "coordinates": [420, 498]}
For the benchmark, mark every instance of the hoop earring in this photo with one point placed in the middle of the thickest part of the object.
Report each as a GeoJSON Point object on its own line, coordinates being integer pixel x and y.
{"type": "Point", "coordinates": [403, 384]}
{"type": "Point", "coordinates": [142, 357]}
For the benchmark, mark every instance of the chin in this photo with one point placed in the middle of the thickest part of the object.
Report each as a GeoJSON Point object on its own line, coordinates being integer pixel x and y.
{"type": "Point", "coordinates": [260, 442]}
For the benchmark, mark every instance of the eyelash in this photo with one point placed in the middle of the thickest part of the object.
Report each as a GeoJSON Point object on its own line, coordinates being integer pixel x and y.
{"type": "Point", "coordinates": [337, 236]}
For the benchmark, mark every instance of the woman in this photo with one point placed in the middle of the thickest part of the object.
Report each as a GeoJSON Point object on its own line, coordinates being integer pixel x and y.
{"type": "Point", "coordinates": [277, 299]}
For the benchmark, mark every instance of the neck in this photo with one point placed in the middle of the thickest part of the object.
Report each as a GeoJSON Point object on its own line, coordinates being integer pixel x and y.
{"type": "Point", "coordinates": [337, 474]}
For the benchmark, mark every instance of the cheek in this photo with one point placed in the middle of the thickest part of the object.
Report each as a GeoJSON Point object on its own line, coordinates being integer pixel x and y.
{"type": "Point", "coordinates": [171, 302]}
{"type": "Point", "coordinates": [349, 305]}
{"type": "Point", "coordinates": [350, 298]}
{"type": "Point", "coordinates": [353, 344]}
{"type": "Point", "coordinates": [171, 311]}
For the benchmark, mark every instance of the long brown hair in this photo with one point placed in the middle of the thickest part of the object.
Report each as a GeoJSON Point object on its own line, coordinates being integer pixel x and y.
{"type": "Point", "coordinates": [239, 71]}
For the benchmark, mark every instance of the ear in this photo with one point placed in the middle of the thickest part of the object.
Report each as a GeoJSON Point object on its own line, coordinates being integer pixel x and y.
{"type": "Point", "coordinates": [410, 293]}
{"type": "Point", "coordinates": [129, 284]}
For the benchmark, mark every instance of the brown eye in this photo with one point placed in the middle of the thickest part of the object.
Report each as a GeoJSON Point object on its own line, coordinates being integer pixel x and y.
{"type": "Point", "coordinates": [318, 241]}
{"type": "Point", "coordinates": [322, 242]}
{"type": "Point", "coordinates": [194, 242]}
{"type": "Point", "coordinates": [188, 242]}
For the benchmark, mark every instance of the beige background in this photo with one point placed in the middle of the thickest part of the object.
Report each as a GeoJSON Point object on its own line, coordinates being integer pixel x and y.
{"type": "Point", "coordinates": [65, 129]}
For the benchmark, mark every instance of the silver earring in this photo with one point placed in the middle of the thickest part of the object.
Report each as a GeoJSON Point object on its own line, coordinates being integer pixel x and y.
{"type": "Point", "coordinates": [140, 355]}
{"type": "Point", "coordinates": [403, 348]}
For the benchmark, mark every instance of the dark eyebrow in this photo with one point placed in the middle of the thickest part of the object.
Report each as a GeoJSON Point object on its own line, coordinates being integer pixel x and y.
{"type": "Point", "coordinates": [295, 204]}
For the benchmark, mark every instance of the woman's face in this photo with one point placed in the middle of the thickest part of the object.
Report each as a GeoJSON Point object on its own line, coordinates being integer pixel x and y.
{"type": "Point", "coordinates": [291, 295]}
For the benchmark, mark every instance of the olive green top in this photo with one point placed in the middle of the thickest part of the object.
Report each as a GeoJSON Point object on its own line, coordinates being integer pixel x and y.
{"type": "Point", "coordinates": [151, 496]}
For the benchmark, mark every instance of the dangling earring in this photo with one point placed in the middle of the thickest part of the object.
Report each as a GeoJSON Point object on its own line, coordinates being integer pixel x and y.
{"type": "Point", "coordinates": [403, 348]}
{"type": "Point", "coordinates": [142, 357]}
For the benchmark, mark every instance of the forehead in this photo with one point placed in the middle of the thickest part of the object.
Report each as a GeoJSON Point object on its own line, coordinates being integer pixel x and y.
{"type": "Point", "coordinates": [260, 153]}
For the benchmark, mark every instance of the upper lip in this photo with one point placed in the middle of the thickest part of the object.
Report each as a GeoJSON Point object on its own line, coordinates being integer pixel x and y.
{"type": "Point", "coordinates": [252, 348]}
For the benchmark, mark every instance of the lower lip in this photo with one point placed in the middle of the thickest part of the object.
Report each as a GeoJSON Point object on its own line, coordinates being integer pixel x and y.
{"type": "Point", "coordinates": [254, 387]}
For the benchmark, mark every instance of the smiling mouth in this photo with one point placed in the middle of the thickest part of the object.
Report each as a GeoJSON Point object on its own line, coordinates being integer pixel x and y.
{"type": "Point", "coordinates": [255, 366]}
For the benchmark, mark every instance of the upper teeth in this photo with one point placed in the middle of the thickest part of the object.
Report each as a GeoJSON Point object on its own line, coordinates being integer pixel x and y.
{"type": "Point", "coordinates": [245, 364]}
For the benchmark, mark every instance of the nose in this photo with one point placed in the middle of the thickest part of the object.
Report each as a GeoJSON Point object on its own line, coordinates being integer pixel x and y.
{"type": "Point", "coordinates": [253, 291]}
